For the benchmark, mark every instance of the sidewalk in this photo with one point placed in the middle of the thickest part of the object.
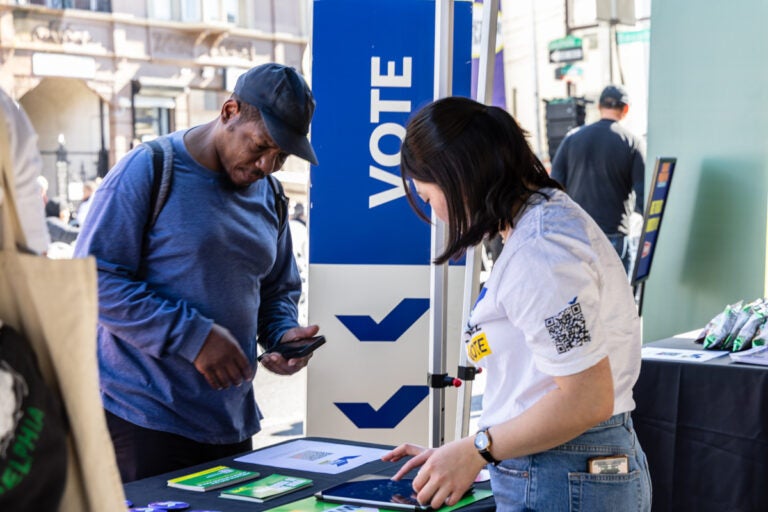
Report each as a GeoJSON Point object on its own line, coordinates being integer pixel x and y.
{"type": "Point", "coordinates": [283, 403]}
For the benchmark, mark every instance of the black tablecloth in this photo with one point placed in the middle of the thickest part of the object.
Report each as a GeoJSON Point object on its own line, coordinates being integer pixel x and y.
{"type": "Point", "coordinates": [142, 492]}
{"type": "Point", "coordinates": [704, 428]}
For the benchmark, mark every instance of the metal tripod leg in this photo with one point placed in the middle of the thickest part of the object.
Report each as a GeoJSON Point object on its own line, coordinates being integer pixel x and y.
{"type": "Point", "coordinates": [473, 261]}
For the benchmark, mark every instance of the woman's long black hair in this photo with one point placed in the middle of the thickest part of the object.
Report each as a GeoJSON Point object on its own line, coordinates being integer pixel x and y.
{"type": "Point", "coordinates": [480, 158]}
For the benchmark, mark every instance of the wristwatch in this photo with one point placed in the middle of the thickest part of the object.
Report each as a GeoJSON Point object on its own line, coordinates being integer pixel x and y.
{"type": "Point", "coordinates": [483, 444]}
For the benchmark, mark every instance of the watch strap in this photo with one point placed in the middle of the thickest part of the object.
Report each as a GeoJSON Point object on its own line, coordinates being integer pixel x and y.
{"type": "Point", "coordinates": [485, 453]}
{"type": "Point", "coordinates": [487, 456]}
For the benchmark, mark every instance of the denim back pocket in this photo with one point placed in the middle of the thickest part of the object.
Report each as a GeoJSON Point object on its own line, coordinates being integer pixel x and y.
{"type": "Point", "coordinates": [607, 492]}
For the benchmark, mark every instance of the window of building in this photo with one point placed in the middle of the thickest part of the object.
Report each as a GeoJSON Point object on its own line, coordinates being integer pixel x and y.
{"type": "Point", "coordinates": [212, 11]}
{"type": "Point", "coordinates": [224, 11]}
{"type": "Point", "coordinates": [151, 122]}
{"type": "Point", "coordinates": [233, 11]}
{"type": "Point", "coordinates": [190, 10]}
{"type": "Point", "coordinates": [86, 5]}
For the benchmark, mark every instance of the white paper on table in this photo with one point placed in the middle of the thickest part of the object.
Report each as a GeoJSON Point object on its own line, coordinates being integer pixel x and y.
{"type": "Point", "coordinates": [755, 355]}
{"type": "Point", "coordinates": [314, 456]}
{"type": "Point", "coordinates": [681, 354]}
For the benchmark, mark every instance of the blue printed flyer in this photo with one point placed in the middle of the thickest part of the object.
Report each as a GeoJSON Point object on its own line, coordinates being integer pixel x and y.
{"type": "Point", "coordinates": [314, 456]}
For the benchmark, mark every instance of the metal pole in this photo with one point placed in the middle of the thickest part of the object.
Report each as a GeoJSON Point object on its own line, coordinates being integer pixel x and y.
{"type": "Point", "coordinates": [135, 87]}
{"type": "Point", "coordinates": [487, 62]}
{"type": "Point", "coordinates": [273, 26]}
{"type": "Point", "coordinates": [568, 85]}
{"type": "Point", "coordinates": [473, 261]}
{"type": "Point", "coordinates": [439, 273]}
{"type": "Point", "coordinates": [535, 71]}
{"type": "Point", "coordinates": [102, 165]}
{"type": "Point", "coordinates": [62, 171]}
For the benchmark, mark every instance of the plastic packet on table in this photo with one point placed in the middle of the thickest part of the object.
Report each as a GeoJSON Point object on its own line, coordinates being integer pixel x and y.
{"type": "Point", "coordinates": [761, 336]}
{"type": "Point", "coordinates": [723, 325]}
{"type": "Point", "coordinates": [743, 340]}
{"type": "Point", "coordinates": [708, 328]}
{"type": "Point", "coordinates": [742, 316]}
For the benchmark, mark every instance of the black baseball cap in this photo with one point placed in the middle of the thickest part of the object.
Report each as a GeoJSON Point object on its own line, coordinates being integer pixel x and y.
{"type": "Point", "coordinates": [614, 96]}
{"type": "Point", "coordinates": [285, 102]}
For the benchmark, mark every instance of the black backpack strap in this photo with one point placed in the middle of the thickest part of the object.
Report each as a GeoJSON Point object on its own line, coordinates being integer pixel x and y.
{"type": "Point", "coordinates": [162, 176]}
{"type": "Point", "coordinates": [281, 202]}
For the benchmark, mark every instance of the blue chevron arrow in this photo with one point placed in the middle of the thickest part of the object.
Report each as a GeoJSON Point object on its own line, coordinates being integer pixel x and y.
{"type": "Point", "coordinates": [391, 327]}
{"type": "Point", "coordinates": [390, 414]}
{"type": "Point", "coordinates": [343, 460]}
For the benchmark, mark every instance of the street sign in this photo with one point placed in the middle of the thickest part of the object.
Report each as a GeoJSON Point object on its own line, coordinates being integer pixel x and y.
{"type": "Point", "coordinates": [566, 49]}
{"type": "Point", "coordinates": [569, 55]}
{"type": "Point", "coordinates": [634, 36]}
{"type": "Point", "coordinates": [565, 43]}
{"type": "Point", "coordinates": [568, 72]}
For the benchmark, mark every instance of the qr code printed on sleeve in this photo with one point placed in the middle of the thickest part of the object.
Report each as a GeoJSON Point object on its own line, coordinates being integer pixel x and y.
{"type": "Point", "coordinates": [568, 328]}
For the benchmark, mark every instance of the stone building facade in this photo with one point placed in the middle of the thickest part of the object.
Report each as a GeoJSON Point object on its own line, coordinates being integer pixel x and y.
{"type": "Point", "coordinates": [97, 77]}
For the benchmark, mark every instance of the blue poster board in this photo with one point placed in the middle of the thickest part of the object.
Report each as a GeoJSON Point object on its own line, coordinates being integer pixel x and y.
{"type": "Point", "coordinates": [654, 213]}
{"type": "Point", "coordinates": [373, 67]}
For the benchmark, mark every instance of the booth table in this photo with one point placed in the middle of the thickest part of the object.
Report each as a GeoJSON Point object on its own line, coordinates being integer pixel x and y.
{"type": "Point", "coordinates": [143, 492]}
{"type": "Point", "coordinates": [704, 428]}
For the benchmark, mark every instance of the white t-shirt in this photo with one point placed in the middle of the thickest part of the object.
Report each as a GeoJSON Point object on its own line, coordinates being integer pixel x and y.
{"type": "Point", "coordinates": [557, 301]}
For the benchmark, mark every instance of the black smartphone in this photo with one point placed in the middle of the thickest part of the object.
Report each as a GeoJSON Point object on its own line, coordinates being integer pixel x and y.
{"type": "Point", "coordinates": [295, 348]}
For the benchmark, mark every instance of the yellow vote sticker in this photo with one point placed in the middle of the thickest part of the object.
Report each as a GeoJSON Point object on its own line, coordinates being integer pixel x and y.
{"type": "Point", "coordinates": [478, 347]}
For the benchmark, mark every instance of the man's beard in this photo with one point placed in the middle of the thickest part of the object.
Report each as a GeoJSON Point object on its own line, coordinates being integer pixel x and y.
{"type": "Point", "coordinates": [230, 184]}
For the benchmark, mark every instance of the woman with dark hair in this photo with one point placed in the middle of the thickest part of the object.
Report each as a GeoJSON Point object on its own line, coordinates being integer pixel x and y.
{"type": "Point", "coordinates": [555, 325]}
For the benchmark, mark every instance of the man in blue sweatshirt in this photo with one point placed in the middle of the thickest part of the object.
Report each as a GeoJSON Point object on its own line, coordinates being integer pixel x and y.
{"type": "Point", "coordinates": [184, 300]}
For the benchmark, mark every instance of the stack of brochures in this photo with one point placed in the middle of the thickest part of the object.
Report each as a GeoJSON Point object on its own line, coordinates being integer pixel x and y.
{"type": "Point", "coordinates": [266, 488]}
{"type": "Point", "coordinates": [212, 478]}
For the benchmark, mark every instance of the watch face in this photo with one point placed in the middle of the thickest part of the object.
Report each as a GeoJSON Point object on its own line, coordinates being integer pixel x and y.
{"type": "Point", "coordinates": [481, 440]}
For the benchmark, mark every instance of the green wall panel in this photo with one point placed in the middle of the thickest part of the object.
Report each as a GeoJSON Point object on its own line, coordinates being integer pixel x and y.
{"type": "Point", "coordinates": [708, 106]}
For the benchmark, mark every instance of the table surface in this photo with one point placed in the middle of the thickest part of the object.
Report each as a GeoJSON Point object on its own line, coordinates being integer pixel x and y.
{"type": "Point", "coordinates": [687, 341]}
{"type": "Point", "coordinates": [143, 492]}
{"type": "Point", "coordinates": [704, 428]}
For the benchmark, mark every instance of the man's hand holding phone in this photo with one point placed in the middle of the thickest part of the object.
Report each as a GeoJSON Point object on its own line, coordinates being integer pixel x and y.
{"type": "Point", "coordinates": [295, 350]}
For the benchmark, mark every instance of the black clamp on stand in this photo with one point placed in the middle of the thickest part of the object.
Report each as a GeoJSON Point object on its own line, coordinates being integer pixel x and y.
{"type": "Point", "coordinates": [442, 380]}
{"type": "Point", "coordinates": [467, 373]}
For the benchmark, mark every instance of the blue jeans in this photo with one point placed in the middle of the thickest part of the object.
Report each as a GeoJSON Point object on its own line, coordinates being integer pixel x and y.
{"type": "Point", "coordinates": [557, 480]}
{"type": "Point", "coordinates": [626, 248]}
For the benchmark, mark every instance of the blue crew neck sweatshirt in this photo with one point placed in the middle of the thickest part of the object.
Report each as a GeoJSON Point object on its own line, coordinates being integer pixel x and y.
{"type": "Point", "coordinates": [214, 255]}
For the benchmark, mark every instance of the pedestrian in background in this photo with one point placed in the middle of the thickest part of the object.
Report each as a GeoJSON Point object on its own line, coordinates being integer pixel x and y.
{"type": "Point", "coordinates": [602, 167]}
{"type": "Point", "coordinates": [555, 325]}
{"type": "Point", "coordinates": [57, 216]}
{"type": "Point", "coordinates": [300, 237]}
{"type": "Point", "coordinates": [298, 214]}
{"type": "Point", "coordinates": [89, 187]}
{"type": "Point", "coordinates": [183, 304]}
{"type": "Point", "coordinates": [27, 166]}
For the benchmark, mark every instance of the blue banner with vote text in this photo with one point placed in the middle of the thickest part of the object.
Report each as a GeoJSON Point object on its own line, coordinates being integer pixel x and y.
{"type": "Point", "coordinates": [372, 68]}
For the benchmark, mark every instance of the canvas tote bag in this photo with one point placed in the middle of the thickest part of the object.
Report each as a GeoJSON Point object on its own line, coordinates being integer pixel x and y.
{"type": "Point", "coordinates": [53, 303]}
